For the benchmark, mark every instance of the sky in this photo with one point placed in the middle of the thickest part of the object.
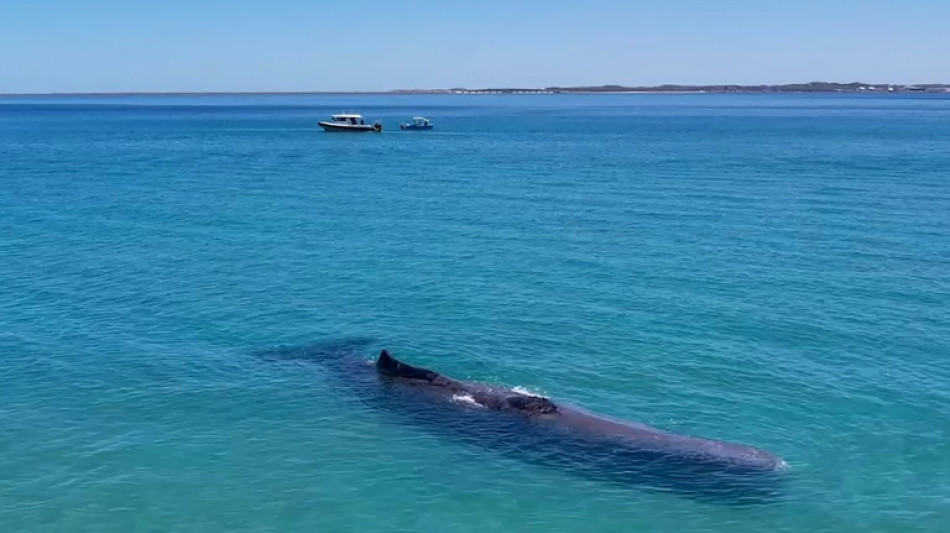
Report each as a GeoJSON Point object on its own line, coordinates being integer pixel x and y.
{"type": "Point", "coordinates": [369, 45]}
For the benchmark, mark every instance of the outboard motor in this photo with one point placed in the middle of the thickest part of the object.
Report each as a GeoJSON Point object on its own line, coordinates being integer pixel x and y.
{"type": "Point", "coordinates": [378, 126]}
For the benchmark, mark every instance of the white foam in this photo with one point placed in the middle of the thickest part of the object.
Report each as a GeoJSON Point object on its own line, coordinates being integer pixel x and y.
{"type": "Point", "coordinates": [466, 399]}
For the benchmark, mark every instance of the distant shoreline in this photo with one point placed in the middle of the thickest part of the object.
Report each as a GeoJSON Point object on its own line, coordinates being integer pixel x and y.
{"type": "Point", "coordinates": [812, 87]}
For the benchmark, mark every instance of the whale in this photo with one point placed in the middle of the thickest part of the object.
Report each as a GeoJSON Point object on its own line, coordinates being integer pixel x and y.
{"type": "Point", "coordinates": [548, 432]}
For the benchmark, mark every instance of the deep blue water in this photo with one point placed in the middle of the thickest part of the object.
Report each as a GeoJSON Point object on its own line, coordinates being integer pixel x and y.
{"type": "Point", "coordinates": [768, 269]}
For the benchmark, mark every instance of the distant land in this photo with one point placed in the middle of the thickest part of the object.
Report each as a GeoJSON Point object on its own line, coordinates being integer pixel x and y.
{"type": "Point", "coordinates": [811, 87]}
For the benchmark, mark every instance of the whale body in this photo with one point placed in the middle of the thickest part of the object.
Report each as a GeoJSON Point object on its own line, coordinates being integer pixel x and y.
{"type": "Point", "coordinates": [542, 431]}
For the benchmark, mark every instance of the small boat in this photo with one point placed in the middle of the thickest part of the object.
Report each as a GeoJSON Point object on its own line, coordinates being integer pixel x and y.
{"type": "Point", "coordinates": [348, 122]}
{"type": "Point", "coordinates": [418, 123]}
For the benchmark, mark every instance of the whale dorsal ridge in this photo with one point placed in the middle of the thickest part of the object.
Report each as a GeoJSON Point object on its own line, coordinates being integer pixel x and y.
{"type": "Point", "coordinates": [388, 364]}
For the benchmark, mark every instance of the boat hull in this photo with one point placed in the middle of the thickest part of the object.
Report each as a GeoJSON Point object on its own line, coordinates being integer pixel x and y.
{"type": "Point", "coordinates": [415, 127]}
{"type": "Point", "coordinates": [356, 128]}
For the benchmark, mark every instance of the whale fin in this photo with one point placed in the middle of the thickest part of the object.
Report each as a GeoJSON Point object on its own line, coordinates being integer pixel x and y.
{"type": "Point", "coordinates": [387, 364]}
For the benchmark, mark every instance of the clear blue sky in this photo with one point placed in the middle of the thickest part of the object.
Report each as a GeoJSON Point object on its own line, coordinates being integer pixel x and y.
{"type": "Point", "coordinates": [287, 45]}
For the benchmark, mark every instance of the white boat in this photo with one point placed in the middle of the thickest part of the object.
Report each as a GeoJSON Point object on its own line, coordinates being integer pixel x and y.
{"type": "Point", "coordinates": [418, 123]}
{"type": "Point", "coordinates": [349, 122]}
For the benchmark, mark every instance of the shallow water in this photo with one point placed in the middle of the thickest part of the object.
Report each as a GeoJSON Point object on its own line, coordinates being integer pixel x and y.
{"type": "Point", "coordinates": [767, 269]}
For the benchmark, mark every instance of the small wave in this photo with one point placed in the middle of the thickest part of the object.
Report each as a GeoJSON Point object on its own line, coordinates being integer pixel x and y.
{"type": "Point", "coordinates": [525, 392]}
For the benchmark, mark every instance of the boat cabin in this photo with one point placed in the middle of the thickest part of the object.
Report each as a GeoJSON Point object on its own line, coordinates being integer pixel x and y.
{"type": "Point", "coordinates": [348, 119]}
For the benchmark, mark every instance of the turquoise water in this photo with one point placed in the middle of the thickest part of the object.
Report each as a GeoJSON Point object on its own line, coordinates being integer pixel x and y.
{"type": "Point", "coordinates": [773, 270]}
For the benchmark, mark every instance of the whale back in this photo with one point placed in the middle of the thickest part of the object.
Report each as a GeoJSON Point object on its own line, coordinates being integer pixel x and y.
{"type": "Point", "coordinates": [531, 405]}
{"type": "Point", "coordinates": [498, 399]}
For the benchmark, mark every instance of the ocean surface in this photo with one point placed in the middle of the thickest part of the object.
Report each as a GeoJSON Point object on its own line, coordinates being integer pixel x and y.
{"type": "Point", "coordinates": [767, 269]}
